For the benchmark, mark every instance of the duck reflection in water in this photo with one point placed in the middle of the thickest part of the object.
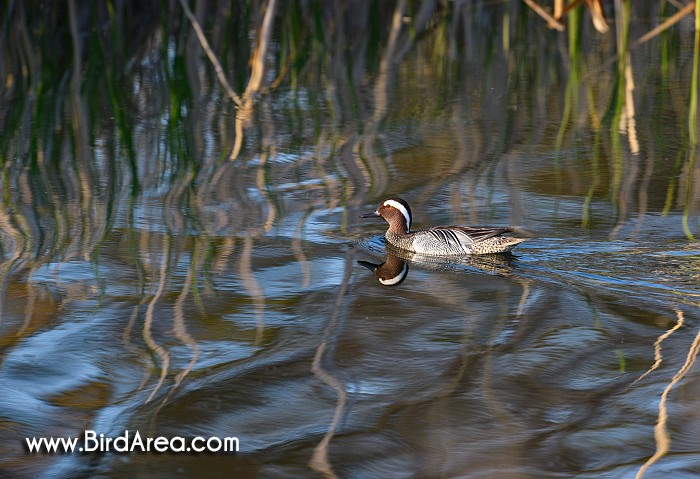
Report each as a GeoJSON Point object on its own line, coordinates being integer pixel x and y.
{"type": "Point", "coordinates": [394, 270]}
{"type": "Point", "coordinates": [391, 272]}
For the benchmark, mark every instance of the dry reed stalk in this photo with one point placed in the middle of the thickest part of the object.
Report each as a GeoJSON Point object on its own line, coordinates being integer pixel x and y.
{"type": "Point", "coordinates": [210, 54]}
{"type": "Point", "coordinates": [551, 21]}
{"type": "Point", "coordinates": [661, 434]}
{"type": "Point", "coordinates": [596, 10]}
{"type": "Point", "coordinates": [669, 22]}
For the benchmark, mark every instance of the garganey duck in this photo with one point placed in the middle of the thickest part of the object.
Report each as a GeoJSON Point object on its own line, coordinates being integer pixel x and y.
{"type": "Point", "coordinates": [440, 240]}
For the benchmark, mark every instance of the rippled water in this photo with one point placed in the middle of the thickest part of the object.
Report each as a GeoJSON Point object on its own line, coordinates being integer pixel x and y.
{"type": "Point", "coordinates": [150, 283]}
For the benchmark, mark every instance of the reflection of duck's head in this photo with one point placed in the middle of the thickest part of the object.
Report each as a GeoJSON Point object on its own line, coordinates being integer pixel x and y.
{"type": "Point", "coordinates": [440, 240]}
{"type": "Point", "coordinates": [391, 272]}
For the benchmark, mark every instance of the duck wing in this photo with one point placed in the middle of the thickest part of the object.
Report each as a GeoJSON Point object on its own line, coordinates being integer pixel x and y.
{"type": "Point", "coordinates": [466, 235]}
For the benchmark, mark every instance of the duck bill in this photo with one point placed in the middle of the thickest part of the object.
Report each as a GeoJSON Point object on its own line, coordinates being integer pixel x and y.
{"type": "Point", "coordinates": [371, 214]}
{"type": "Point", "coordinates": [368, 265]}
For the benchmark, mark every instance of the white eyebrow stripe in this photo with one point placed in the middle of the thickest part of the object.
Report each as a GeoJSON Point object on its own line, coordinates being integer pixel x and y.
{"type": "Point", "coordinates": [403, 211]}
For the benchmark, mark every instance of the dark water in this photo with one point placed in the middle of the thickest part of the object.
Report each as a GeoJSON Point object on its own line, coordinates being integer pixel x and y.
{"type": "Point", "coordinates": [176, 266]}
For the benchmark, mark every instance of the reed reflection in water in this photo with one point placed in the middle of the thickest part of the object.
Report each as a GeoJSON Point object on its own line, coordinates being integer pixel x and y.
{"type": "Point", "coordinates": [180, 249]}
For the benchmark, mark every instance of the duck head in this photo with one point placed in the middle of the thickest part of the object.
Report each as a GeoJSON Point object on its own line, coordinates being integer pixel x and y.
{"type": "Point", "coordinates": [396, 212]}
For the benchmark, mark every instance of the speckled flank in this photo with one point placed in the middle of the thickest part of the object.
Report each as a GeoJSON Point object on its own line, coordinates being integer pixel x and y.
{"type": "Point", "coordinates": [499, 244]}
{"type": "Point", "coordinates": [423, 242]}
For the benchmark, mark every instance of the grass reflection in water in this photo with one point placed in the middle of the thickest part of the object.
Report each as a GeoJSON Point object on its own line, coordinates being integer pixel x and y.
{"type": "Point", "coordinates": [179, 246]}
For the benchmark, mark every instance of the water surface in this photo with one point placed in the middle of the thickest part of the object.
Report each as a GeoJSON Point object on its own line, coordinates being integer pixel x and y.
{"type": "Point", "coordinates": [175, 265]}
